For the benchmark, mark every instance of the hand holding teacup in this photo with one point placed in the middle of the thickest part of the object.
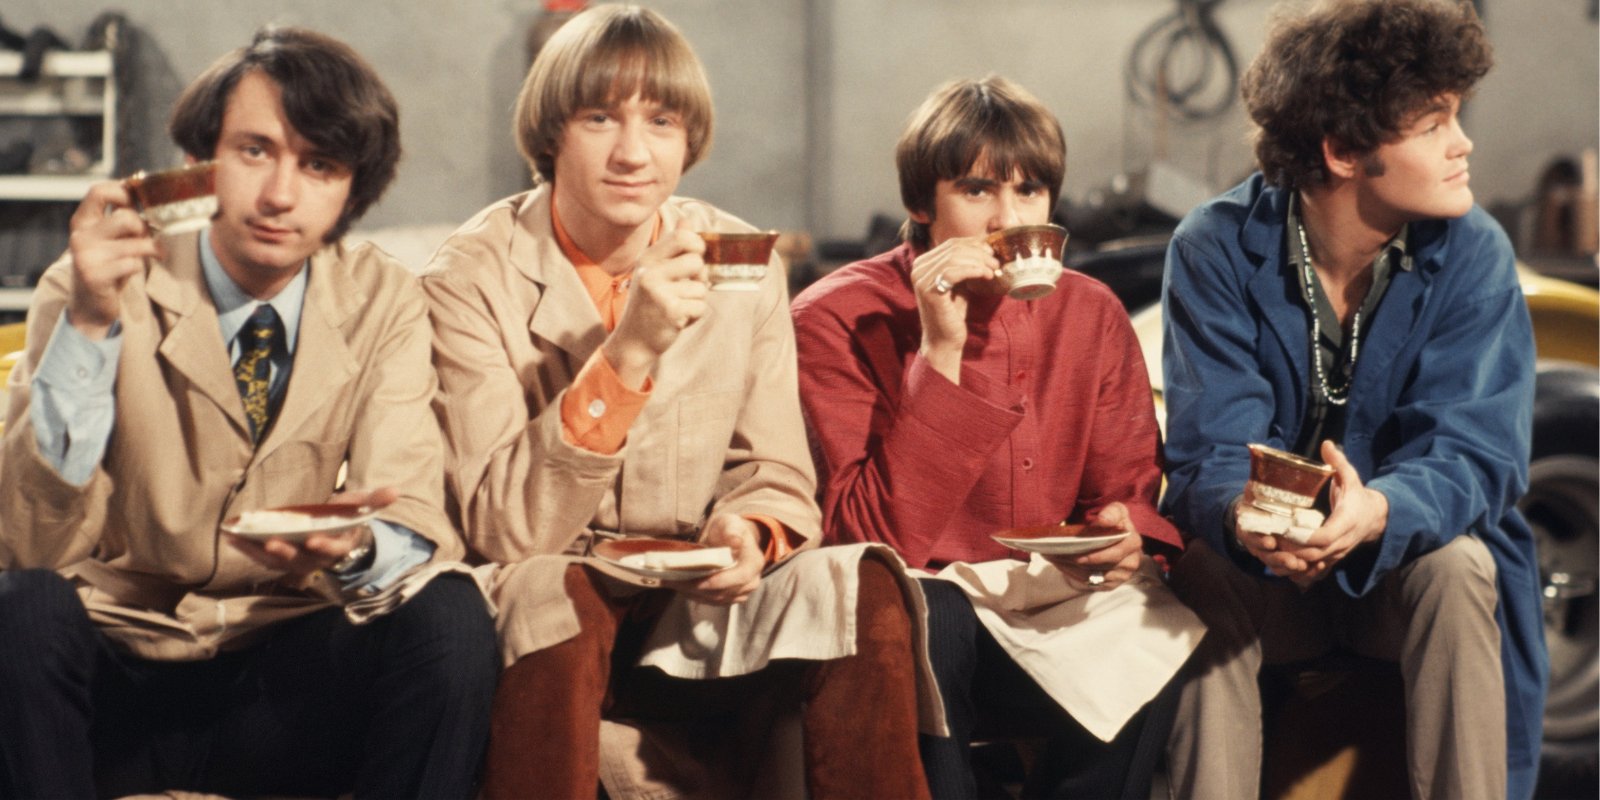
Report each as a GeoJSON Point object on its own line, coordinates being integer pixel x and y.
{"type": "Point", "coordinates": [1030, 259]}
{"type": "Point", "coordinates": [939, 277]}
{"type": "Point", "coordinates": [1277, 524]}
{"type": "Point", "coordinates": [111, 238]}
{"type": "Point", "coordinates": [666, 293]}
{"type": "Point", "coordinates": [108, 243]}
{"type": "Point", "coordinates": [1358, 514]}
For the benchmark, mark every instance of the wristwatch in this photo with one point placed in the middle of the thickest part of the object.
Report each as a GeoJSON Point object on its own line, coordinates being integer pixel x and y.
{"type": "Point", "coordinates": [359, 558]}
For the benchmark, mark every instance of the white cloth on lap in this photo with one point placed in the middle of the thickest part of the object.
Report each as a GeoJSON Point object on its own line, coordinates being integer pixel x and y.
{"type": "Point", "coordinates": [1100, 655]}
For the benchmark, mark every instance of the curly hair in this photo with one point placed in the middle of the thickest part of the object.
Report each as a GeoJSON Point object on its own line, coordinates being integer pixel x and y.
{"type": "Point", "coordinates": [963, 121]}
{"type": "Point", "coordinates": [1358, 72]}
{"type": "Point", "coordinates": [331, 96]}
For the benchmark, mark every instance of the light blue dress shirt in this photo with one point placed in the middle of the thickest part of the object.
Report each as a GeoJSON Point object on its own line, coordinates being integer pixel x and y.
{"type": "Point", "coordinates": [74, 402]}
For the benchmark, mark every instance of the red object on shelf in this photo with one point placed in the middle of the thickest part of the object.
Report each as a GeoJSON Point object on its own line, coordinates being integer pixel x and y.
{"type": "Point", "coordinates": [565, 5]}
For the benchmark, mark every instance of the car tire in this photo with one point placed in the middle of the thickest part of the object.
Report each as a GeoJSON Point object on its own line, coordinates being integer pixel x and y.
{"type": "Point", "coordinates": [1563, 508]}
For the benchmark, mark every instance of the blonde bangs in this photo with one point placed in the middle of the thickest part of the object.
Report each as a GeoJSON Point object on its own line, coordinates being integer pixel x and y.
{"type": "Point", "coordinates": [604, 56]}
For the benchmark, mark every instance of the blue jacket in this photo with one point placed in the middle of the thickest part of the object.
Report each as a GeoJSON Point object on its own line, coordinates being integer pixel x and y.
{"type": "Point", "coordinates": [1439, 420]}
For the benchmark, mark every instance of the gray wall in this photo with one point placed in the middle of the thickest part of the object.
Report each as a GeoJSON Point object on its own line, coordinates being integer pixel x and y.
{"type": "Point", "coordinates": [812, 93]}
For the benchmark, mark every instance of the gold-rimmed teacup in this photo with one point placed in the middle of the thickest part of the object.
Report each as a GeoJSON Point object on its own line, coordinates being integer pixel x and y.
{"type": "Point", "coordinates": [1030, 259]}
{"type": "Point", "coordinates": [175, 200]}
{"type": "Point", "coordinates": [737, 262]}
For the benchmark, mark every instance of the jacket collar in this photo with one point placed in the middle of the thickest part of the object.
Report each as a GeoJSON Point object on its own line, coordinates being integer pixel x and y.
{"type": "Point", "coordinates": [193, 344]}
{"type": "Point", "coordinates": [563, 314]}
{"type": "Point", "coordinates": [1276, 292]}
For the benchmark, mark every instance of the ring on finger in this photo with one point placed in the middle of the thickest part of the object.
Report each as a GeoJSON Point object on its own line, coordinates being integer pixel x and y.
{"type": "Point", "coordinates": [941, 285]}
{"type": "Point", "coordinates": [1097, 579]}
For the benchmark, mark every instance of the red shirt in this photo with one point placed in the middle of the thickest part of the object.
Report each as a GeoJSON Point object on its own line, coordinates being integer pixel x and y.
{"type": "Point", "coordinates": [1053, 416]}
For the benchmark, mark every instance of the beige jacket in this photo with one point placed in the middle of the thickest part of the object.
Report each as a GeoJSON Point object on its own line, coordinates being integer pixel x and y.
{"type": "Point", "coordinates": [721, 431]}
{"type": "Point", "coordinates": [141, 538]}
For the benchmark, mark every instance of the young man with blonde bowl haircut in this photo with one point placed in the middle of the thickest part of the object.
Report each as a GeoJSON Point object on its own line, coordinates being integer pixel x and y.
{"type": "Point", "coordinates": [1351, 304]}
{"type": "Point", "coordinates": [591, 388]}
{"type": "Point", "coordinates": [174, 381]}
{"type": "Point", "coordinates": [944, 411]}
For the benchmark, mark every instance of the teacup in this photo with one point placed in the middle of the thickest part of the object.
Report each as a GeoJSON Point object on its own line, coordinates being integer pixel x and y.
{"type": "Point", "coordinates": [175, 200]}
{"type": "Point", "coordinates": [1030, 259]}
{"type": "Point", "coordinates": [1281, 481]}
{"type": "Point", "coordinates": [737, 262]}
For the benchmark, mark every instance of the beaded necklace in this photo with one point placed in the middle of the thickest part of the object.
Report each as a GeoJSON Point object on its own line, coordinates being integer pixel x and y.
{"type": "Point", "coordinates": [1328, 393]}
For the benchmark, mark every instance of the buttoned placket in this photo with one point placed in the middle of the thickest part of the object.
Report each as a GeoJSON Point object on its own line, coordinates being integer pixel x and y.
{"type": "Point", "coordinates": [1021, 342]}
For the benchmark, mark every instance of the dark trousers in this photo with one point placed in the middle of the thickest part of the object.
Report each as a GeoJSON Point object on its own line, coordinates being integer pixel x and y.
{"type": "Point", "coordinates": [986, 692]}
{"type": "Point", "coordinates": [397, 707]}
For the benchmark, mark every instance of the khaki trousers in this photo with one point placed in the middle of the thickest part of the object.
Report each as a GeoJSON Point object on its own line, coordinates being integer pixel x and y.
{"type": "Point", "coordinates": [1434, 615]}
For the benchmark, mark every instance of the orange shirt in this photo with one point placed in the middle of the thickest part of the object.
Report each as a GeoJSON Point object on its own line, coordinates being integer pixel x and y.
{"type": "Point", "coordinates": [598, 408]}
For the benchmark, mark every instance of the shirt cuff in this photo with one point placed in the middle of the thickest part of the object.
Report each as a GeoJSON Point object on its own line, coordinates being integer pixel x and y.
{"type": "Point", "coordinates": [776, 539]}
{"type": "Point", "coordinates": [73, 404]}
{"type": "Point", "coordinates": [598, 408]}
{"type": "Point", "coordinates": [75, 363]}
{"type": "Point", "coordinates": [396, 549]}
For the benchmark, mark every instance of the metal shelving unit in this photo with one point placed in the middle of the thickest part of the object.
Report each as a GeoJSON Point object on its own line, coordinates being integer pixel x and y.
{"type": "Point", "coordinates": [69, 84]}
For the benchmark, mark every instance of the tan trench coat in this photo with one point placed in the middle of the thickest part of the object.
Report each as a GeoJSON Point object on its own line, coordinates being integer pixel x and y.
{"type": "Point", "coordinates": [720, 433]}
{"type": "Point", "coordinates": [141, 538]}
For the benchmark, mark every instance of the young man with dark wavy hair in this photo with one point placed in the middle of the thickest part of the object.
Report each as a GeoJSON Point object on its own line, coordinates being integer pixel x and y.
{"type": "Point", "coordinates": [1351, 304]}
{"type": "Point", "coordinates": [174, 380]}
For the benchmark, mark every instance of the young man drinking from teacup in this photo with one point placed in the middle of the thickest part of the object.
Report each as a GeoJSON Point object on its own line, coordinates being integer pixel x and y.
{"type": "Point", "coordinates": [943, 412]}
{"type": "Point", "coordinates": [1351, 304]}
{"type": "Point", "coordinates": [599, 399]}
{"type": "Point", "coordinates": [175, 380]}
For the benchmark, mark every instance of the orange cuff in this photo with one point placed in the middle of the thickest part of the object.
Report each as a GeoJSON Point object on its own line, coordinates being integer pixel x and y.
{"type": "Point", "coordinates": [777, 540]}
{"type": "Point", "coordinates": [598, 408]}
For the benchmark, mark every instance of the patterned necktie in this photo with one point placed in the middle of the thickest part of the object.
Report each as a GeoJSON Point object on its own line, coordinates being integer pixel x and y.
{"type": "Point", "coordinates": [254, 370]}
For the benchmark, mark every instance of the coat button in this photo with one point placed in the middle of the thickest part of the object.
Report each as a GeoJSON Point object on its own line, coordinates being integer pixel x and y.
{"type": "Point", "coordinates": [1027, 463]}
{"type": "Point", "coordinates": [597, 408]}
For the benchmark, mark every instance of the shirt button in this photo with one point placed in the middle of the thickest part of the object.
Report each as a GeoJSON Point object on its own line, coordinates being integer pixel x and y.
{"type": "Point", "coordinates": [1027, 463]}
{"type": "Point", "coordinates": [1021, 376]}
{"type": "Point", "coordinates": [83, 373]}
{"type": "Point", "coordinates": [597, 408]}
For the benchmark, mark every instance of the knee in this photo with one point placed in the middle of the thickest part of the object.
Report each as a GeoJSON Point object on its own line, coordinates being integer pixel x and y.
{"type": "Point", "coordinates": [1461, 572]}
{"type": "Point", "coordinates": [882, 609]}
{"type": "Point", "coordinates": [42, 622]}
{"type": "Point", "coordinates": [447, 632]}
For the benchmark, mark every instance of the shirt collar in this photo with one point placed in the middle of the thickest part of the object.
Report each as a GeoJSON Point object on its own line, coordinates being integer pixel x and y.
{"type": "Point", "coordinates": [1395, 252]}
{"type": "Point", "coordinates": [234, 305]}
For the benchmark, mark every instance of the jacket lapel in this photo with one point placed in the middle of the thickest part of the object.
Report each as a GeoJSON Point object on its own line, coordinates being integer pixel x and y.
{"type": "Point", "coordinates": [1276, 292]}
{"type": "Point", "coordinates": [564, 315]}
{"type": "Point", "coordinates": [323, 360]}
{"type": "Point", "coordinates": [192, 344]}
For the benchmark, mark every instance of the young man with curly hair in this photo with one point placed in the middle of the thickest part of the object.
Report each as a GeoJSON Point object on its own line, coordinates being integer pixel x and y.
{"type": "Point", "coordinates": [1351, 304]}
